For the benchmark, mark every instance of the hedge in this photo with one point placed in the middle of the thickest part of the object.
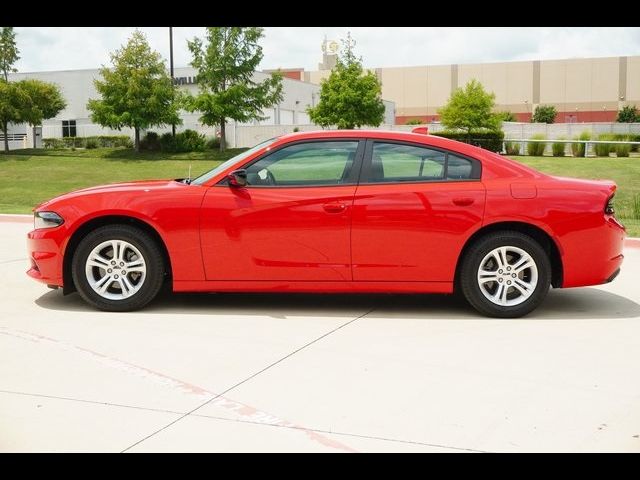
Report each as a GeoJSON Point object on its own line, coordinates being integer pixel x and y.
{"type": "Point", "coordinates": [105, 141]}
{"type": "Point", "coordinates": [487, 139]}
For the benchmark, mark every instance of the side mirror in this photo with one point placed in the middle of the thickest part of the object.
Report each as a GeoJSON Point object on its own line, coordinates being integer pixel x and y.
{"type": "Point", "coordinates": [237, 178]}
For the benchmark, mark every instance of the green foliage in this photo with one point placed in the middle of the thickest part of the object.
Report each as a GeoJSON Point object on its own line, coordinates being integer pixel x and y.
{"type": "Point", "coordinates": [56, 143]}
{"type": "Point", "coordinates": [14, 103]}
{"type": "Point", "coordinates": [91, 143]}
{"type": "Point", "coordinates": [579, 149]}
{"type": "Point", "coordinates": [414, 121]}
{"type": "Point", "coordinates": [226, 63]}
{"type": "Point", "coordinates": [544, 114]}
{"type": "Point", "coordinates": [622, 150]}
{"type": "Point", "coordinates": [45, 100]}
{"type": "Point", "coordinates": [150, 142]}
{"type": "Point", "coordinates": [507, 116]}
{"type": "Point", "coordinates": [190, 141]}
{"type": "Point", "coordinates": [101, 141]}
{"type": "Point", "coordinates": [604, 149]}
{"type": "Point", "coordinates": [558, 148]}
{"type": "Point", "coordinates": [487, 139]}
{"type": "Point", "coordinates": [9, 53]}
{"type": "Point", "coordinates": [635, 206]}
{"type": "Point", "coordinates": [214, 143]}
{"type": "Point", "coordinates": [167, 142]}
{"type": "Point", "coordinates": [470, 109]}
{"type": "Point", "coordinates": [628, 114]}
{"type": "Point", "coordinates": [349, 98]}
{"type": "Point", "coordinates": [512, 148]}
{"type": "Point", "coordinates": [536, 149]}
{"type": "Point", "coordinates": [136, 91]}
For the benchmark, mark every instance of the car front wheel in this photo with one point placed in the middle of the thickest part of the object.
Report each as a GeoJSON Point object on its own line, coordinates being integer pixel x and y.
{"type": "Point", "coordinates": [505, 274]}
{"type": "Point", "coordinates": [118, 268]}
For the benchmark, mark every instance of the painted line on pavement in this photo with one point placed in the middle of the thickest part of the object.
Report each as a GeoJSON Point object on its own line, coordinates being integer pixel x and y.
{"type": "Point", "coordinates": [241, 409]}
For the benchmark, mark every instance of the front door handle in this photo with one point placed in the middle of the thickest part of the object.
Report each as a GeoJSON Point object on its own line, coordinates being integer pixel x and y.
{"type": "Point", "coordinates": [334, 207]}
{"type": "Point", "coordinates": [463, 201]}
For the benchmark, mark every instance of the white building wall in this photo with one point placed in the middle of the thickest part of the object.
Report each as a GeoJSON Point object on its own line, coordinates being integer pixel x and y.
{"type": "Point", "coordinates": [77, 87]}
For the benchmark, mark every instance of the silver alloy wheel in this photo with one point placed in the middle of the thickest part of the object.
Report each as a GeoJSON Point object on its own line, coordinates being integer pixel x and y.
{"type": "Point", "coordinates": [507, 276]}
{"type": "Point", "coordinates": [115, 269]}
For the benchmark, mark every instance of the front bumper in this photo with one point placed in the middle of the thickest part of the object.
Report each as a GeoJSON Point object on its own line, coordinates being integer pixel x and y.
{"type": "Point", "coordinates": [45, 250]}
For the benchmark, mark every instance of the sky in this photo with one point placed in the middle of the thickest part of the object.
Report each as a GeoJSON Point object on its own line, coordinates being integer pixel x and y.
{"type": "Point", "coordinates": [69, 48]}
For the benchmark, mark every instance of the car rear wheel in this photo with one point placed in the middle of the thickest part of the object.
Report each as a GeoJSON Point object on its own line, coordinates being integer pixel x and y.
{"type": "Point", "coordinates": [118, 268]}
{"type": "Point", "coordinates": [505, 275]}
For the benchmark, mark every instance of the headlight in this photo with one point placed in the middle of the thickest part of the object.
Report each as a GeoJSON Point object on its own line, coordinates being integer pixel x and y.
{"type": "Point", "coordinates": [47, 220]}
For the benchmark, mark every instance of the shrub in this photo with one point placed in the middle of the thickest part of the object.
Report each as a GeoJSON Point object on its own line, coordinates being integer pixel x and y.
{"type": "Point", "coordinates": [167, 142]}
{"type": "Point", "coordinates": [150, 142]}
{"type": "Point", "coordinates": [214, 142]}
{"type": "Point", "coordinates": [414, 121]}
{"type": "Point", "coordinates": [507, 116]}
{"type": "Point", "coordinates": [579, 149]}
{"type": "Point", "coordinates": [544, 114]}
{"type": "Point", "coordinates": [628, 114]}
{"type": "Point", "coordinates": [190, 141]}
{"type": "Point", "coordinates": [604, 149]}
{"type": "Point", "coordinates": [512, 148]}
{"type": "Point", "coordinates": [536, 149]}
{"type": "Point", "coordinates": [622, 150]}
{"type": "Point", "coordinates": [91, 143]}
{"type": "Point", "coordinates": [296, 129]}
{"type": "Point", "coordinates": [487, 139]}
{"type": "Point", "coordinates": [56, 143]}
{"type": "Point", "coordinates": [558, 148]}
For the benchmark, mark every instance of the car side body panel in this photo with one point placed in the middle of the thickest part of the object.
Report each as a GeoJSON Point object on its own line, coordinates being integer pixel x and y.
{"type": "Point", "coordinates": [398, 237]}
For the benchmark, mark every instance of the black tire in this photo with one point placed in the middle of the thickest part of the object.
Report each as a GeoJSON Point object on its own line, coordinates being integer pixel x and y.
{"type": "Point", "coordinates": [148, 248]}
{"type": "Point", "coordinates": [469, 283]}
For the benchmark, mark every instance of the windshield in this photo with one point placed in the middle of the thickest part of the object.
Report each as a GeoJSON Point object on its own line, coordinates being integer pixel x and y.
{"type": "Point", "coordinates": [232, 161]}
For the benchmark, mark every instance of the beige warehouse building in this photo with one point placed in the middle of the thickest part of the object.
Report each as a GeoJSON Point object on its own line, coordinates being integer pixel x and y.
{"type": "Point", "coordinates": [581, 89]}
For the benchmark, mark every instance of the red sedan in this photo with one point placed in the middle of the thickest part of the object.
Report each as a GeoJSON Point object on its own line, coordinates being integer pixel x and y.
{"type": "Point", "coordinates": [336, 211]}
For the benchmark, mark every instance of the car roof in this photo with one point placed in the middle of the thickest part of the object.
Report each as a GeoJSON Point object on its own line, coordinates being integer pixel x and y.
{"type": "Point", "coordinates": [432, 140]}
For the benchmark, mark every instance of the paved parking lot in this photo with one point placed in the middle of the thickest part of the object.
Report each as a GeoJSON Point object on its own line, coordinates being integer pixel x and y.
{"type": "Point", "coordinates": [237, 372]}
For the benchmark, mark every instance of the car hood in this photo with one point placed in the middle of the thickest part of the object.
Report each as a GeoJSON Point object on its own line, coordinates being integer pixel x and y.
{"type": "Point", "coordinates": [142, 185]}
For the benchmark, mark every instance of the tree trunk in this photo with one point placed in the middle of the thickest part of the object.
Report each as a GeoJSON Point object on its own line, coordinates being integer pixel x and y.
{"type": "Point", "coordinates": [34, 136]}
{"type": "Point", "coordinates": [137, 141]}
{"type": "Point", "coordinates": [6, 139]}
{"type": "Point", "coordinates": [223, 139]}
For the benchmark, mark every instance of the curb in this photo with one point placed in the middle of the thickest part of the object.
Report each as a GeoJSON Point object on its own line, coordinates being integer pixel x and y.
{"type": "Point", "coordinates": [16, 218]}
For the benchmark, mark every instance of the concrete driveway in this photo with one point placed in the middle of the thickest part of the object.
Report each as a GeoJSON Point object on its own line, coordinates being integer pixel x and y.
{"type": "Point", "coordinates": [337, 373]}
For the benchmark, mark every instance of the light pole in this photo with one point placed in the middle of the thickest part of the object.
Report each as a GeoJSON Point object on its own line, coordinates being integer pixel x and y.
{"type": "Point", "coordinates": [173, 125]}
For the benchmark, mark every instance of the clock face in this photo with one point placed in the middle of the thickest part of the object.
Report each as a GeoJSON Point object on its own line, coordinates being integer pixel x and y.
{"type": "Point", "coordinates": [330, 47]}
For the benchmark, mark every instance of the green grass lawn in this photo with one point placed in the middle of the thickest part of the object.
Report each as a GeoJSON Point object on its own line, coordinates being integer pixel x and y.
{"type": "Point", "coordinates": [28, 177]}
{"type": "Point", "coordinates": [624, 171]}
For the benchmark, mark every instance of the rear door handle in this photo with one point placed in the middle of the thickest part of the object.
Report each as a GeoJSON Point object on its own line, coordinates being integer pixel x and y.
{"type": "Point", "coordinates": [334, 207]}
{"type": "Point", "coordinates": [463, 201]}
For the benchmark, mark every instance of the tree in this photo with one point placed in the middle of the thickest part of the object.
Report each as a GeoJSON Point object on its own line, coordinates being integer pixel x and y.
{"type": "Point", "coordinates": [226, 62]}
{"type": "Point", "coordinates": [470, 108]}
{"type": "Point", "coordinates": [136, 92]}
{"type": "Point", "coordinates": [628, 114]}
{"type": "Point", "coordinates": [349, 98]}
{"type": "Point", "coordinates": [45, 101]}
{"type": "Point", "coordinates": [544, 114]}
{"type": "Point", "coordinates": [14, 102]}
{"type": "Point", "coordinates": [507, 116]}
{"type": "Point", "coordinates": [9, 53]}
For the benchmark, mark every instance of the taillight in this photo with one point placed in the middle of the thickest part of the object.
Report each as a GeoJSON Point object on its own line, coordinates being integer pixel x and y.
{"type": "Point", "coordinates": [609, 207]}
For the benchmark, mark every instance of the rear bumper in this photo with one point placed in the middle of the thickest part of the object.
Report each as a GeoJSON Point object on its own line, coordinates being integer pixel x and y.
{"type": "Point", "coordinates": [594, 256]}
{"type": "Point", "coordinates": [44, 247]}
